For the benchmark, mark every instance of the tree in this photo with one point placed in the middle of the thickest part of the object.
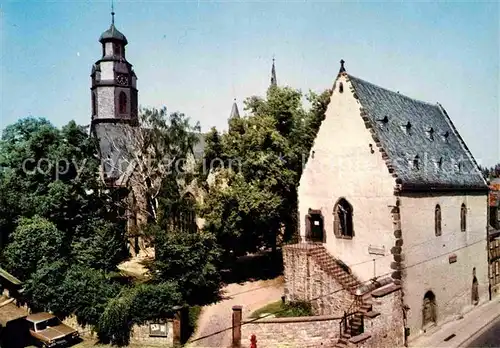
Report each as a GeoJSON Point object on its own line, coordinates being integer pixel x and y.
{"type": "Point", "coordinates": [36, 242]}
{"type": "Point", "coordinates": [151, 153]}
{"type": "Point", "coordinates": [190, 260]}
{"type": "Point", "coordinates": [63, 238]}
{"type": "Point", "coordinates": [257, 204]}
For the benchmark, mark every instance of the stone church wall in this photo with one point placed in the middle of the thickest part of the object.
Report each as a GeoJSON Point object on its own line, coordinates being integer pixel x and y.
{"type": "Point", "coordinates": [345, 162]}
{"type": "Point", "coordinates": [105, 101]}
{"type": "Point", "coordinates": [443, 264]}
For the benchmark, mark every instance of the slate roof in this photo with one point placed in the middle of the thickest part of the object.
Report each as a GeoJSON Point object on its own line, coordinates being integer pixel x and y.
{"type": "Point", "coordinates": [234, 111]}
{"type": "Point", "coordinates": [407, 128]}
{"type": "Point", "coordinates": [115, 156]}
{"type": "Point", "coordinates": [113, 149]}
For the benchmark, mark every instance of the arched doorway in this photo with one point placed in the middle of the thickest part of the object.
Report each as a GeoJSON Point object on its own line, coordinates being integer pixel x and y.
{"type": "Point", "coordinates": [429, 310]}
{"type": "Point", "coordinates": [475, 288]}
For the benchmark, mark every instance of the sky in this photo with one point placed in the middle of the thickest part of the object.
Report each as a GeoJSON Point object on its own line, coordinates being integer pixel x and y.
{"type": "Point", "coordinates": [197, 56]}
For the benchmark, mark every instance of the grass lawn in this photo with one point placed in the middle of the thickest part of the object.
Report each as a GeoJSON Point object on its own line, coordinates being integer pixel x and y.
{"type": "Point", "coordinates": [287, 309]}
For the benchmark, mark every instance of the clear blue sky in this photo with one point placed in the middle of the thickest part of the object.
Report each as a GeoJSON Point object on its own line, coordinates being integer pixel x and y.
{"type": "Point", "coordinates": [195, 57]}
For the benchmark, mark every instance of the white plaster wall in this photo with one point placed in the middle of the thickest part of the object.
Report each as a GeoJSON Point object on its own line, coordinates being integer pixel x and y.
{"type": "Point", "coordinates": [105, 102]}
{"type": "Point", "coordinates": [343, 166]}
{"type": "Point", "coordinates": [426, 261]}
{"type": "Point", "coordinates": [107, 72]}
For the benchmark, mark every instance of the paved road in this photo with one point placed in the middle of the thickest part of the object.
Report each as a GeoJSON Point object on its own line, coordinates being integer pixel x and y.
{"type": "Point", "coordinates": [214, 324]}
{"type": "Point", "coordinates": [488, 339]}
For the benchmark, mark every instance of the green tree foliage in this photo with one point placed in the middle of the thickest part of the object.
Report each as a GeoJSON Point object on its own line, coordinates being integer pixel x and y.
{"type": "Point", "coordinates": [191, 261]}
{"type": "Point", "coordinates": [65, 237]}
{"type": "Point", "coordinates": [136, 305]}
{"type": "Point", "coordinates": [62, 235]}
{"type": "Point", "coordinates": [35, 243]}
{"type": "Point", "coordinates": [255, 203]}
{"type": "Point", "coordinates": [52, 173]}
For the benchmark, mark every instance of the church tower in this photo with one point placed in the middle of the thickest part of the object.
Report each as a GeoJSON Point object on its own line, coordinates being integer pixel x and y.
{"type": "Point", "coordinates": [114, 83]}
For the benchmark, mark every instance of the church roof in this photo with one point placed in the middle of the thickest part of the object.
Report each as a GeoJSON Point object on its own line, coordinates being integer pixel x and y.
{"type": "Point", "coordinates": [113, 34]}
{"type": "Point", "coordinates": [422, 146]}
{"type": "Point", "coordinates": [112, 146]}
{"type": "Point", "coordinates": [234, 110]}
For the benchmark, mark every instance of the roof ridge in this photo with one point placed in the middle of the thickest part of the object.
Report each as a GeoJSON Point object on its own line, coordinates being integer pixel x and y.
{"type": "Point", "coordinates": [395, 93]}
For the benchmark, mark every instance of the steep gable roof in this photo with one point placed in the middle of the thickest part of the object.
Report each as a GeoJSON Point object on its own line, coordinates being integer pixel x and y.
{"type": "Point", "coordinates": [423, 147]}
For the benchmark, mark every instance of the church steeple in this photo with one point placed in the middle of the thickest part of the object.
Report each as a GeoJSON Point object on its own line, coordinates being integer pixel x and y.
{"type": "Point", "coordinates": [234, 110]}
{"type": "Point", "coordinates": [274, 81]}
{"type": "Point", "coordinates": [112, 13]}
{"type": "Point", "coordinates": [114, 83]}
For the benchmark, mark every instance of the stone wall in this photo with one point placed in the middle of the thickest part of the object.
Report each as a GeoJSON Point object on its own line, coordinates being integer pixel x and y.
{"type": "Point", "coordinates": [387, 328]}
{"type": "Point", "coordinates": [301, 332]}
{"type": "Point", "coordinates": [306, 281]}
{"type": "Point", "coordinates": [383, 327]}
{"type": "Point", "coordinates": [139, 335]}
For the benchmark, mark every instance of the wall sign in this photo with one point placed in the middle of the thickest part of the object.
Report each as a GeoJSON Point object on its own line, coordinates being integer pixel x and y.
{"type": "Point", "coordinates": [376, 250]}
{"type": "Point", "coordinates": [158, 329]}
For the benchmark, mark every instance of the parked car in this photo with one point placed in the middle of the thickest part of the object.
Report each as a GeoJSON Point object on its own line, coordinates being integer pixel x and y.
{"type": "Point", "coordinates": [49, 331]}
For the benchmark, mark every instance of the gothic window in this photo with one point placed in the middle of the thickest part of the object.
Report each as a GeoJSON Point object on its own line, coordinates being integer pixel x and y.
{"type": "Point", "coordinates": [437, 220]}
{"type": "Point", "coordinates": [116, 49]}
{"type": "Point", "coordinates": [94, 104]}
{"type": "Point", "coordinates": [341, 87]}
{"type": "Point", "coordinates": [342, 224]}
{"type": "Point", "coordinates": [463, 218]}
{"type": "Point", "coordinates": [122, 103]}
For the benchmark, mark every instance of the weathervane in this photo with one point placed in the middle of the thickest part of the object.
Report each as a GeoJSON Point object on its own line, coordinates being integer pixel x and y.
{"type": "Point", "coordinates": [112, 13]}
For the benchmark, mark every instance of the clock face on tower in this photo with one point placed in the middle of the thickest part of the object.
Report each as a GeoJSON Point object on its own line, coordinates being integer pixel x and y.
{"type": "Point", "coordinates": [122, 79]}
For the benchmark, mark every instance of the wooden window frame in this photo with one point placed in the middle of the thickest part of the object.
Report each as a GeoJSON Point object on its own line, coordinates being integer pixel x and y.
{"type": "Point", "coordinates": [309, 216]}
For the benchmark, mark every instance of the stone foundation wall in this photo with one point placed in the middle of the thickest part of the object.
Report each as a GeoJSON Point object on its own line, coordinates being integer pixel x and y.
{"type": "Point", "coordinates": [139, 334]}
{"type": "Point", "coordinates": [386, 329]}
{"type": "Point", "coordinates": [306, 281]}
{"type": "Point", "coordinates": [301, 332]}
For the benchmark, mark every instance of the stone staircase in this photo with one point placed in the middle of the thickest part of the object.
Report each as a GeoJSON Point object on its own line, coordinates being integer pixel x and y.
{"type": "Point", "coordinates": [362, 304]}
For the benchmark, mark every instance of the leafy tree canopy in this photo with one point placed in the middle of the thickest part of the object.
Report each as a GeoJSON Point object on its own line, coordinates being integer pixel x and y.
{"type": "Point", "coordinates": [255, 204]}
